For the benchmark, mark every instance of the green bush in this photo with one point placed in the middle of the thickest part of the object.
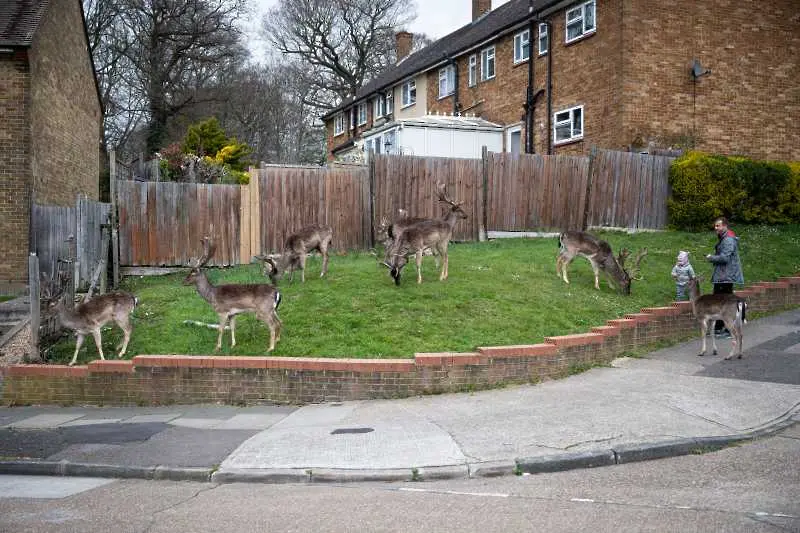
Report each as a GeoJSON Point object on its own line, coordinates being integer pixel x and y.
{"type": "Point", "coordinates": [708, 186]}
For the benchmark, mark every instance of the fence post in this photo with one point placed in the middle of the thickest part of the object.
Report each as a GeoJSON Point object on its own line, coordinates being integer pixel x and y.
{"type": "Point", "coordinates": [114, 232]}
{"type": "Point", "coordinates": [371, 185]}
{"type": "Point", "coordinates": [483, 234]}
{"type": "Point", "coordinates": [587, 201]}
{"type": "Point", "coordinates": [33, 283]}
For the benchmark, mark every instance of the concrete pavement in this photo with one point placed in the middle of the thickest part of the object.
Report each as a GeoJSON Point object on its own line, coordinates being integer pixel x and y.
{"type": "Point", "coordinates": [669, 402]}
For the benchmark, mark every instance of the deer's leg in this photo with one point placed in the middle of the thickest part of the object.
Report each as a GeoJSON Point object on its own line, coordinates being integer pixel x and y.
{"type": "Point", "coordinates": [563, 262]}
{"type": "Point", "coordinates": [419, 265]}
{"type": "Point", "coordinates": [734, 327]}
{"type": "Point", "coordinates": [445, 265]}
{"type": "Point", "coordinates": [233, 331]}
{"type": "Point", "coordinates": [223, 319]}
{"type": "Point", "coordinates": [713, 339]}
{"type": "Point", "coordinates": [78, 344]}
{"type": "Point", "coordinates": [98, 342]}
{"type": "Point", "coordinates": [124, 323]}
{"type": "Point", "coordinates": [596, 270]}
{"type": "Point", "coordinates": [703, 330]}
{"type": "Point", "coordinates": [303, 258]}
{"type": "Point", "coordinates": [270, 318]}
{"type": "Point", "coordinates": [324, 251]}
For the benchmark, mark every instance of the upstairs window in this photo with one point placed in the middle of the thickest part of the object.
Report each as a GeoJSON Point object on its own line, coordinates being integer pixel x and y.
{"type": "Point", "coordinates": [580, 21]}
{"type": "Point", "coordinates": [447, 81]}
{"type": "Point", "coordinates": [362, 113]}
{"type": "Point", "coordinates": [487, 63]}
{"type": "Point", "coordinates": [338, 124]}
{"type": "Point", "coordinates": [568, 125]}
{"type": "Point", "coordinates": [409, 93]}
{"type": "Point", "coordinates": [389, 102]}
{"type": "Point", "coordinates": [473, 70]}
{"type": "Point", "coordinates": [544, 39]}
{"type": "Point", "coordinates": [378, 107]}
{"type": "Point", "coordinates": [522, 46]}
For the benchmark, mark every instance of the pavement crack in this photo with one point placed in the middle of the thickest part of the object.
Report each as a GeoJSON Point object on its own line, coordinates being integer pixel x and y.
{"type": "Point", "coordinates": [175, 505]}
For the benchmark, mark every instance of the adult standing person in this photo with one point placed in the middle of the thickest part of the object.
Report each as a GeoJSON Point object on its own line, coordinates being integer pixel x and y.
{"type": "Point", "coordinates": [727, 265]}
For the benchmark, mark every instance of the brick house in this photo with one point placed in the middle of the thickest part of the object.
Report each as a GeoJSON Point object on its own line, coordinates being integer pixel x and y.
{"type": "Point", "coordinates": [715, 75]}
{"type": "Point", "coordinates": [50, 119]}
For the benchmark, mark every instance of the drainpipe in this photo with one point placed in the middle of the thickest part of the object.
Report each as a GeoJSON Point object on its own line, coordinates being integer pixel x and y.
{"type": "Point", "coordinates": [530, 97]}
{"type": "Point", "coordinates": [456, 103]}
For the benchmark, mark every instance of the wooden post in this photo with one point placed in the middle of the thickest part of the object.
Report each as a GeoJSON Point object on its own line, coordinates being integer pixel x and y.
{"type": "Point", "coordinates": [114, 232]}
{"type": "Point", "coordinates": [587, 201]}
{"type": "Point", "coordinates": [483, 233]}
{"type": "Point", "coordinates": [245, 253]}
{"type": "Point", "coordinates": [33, 283]}
{"type": "Point", "coordinates": [255, 213]}
{"type": "Point", "coordinates": [371, 185]}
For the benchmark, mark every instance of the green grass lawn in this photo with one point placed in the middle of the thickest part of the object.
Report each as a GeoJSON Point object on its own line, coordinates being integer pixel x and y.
{"type": "Point", "coordinates": [499, 292]}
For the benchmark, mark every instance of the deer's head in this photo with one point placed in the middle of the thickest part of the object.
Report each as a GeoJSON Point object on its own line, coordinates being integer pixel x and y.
{"type": "Point", "coordinates": [196, 265]}
{"type": "Point", "coordinates": [455, 207]}
{"type": "Point", "coordinates": [625, 276]}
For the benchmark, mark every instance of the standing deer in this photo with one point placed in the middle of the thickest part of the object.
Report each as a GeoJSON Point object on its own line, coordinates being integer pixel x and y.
{"type": "Point", "coordinates": [427, 233]}
{"type": "Point", "coordinates": [233, 299]}
{"type": "Point", "coordinates": [388, 232]}
{"type": "Point", "coordinates": [90, 316]}
{"type": "Point", "coordinates": [295, 251]}
{"type": "Point", "coordinates": [599, 254]}
{"type": "Point", "coordinates": [712, 307]}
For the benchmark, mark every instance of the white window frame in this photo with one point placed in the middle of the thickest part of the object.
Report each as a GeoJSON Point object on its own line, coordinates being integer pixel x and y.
{"type": "Point", "coordinates": [488, 63]}
{"type": "Point", "coordinates": [566, 117]}
{"type": "Point", "coordinates": [378, 107]}
{"type": "Point", "coordinates": [522, 46]}
{"type": "Point", "coordinates": [544, 39]}
{"type": "Point", "coordinates": [509, 132]}
{"type": "Point", "coordinates": [447, 81]}
{"type": "Point", "coordinates": [352, 112]}
{"type": "Point", "coordinates": [583, 16]}
{"type": "Point", "coordinates": [389, 102]}
{"type": "Point", "coordinates": [409, 93]}
{"type": "Point", "coordinates": [338, 124]}
{"type": "Point", "coordinates": [472, 70]}
{"type": "Point", "coordinates": [362, 113]}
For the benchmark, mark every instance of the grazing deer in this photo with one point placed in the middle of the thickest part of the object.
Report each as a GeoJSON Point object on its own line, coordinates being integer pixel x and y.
{"type": "Point", "coordinates": [231, 300]}
{"type": "Point", "coordinates": [90, 316]}
{"type": "Point", "coordinates": [599, 254]}
{"type": "Point", "coordinates": [712, 307]}
{"type": "Point", "coordinates": [427, 233]}
{"type": "Point", "coordinates": [298, 245]}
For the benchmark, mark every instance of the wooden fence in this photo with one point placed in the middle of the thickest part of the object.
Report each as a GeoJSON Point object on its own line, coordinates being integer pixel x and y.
{"type": "Point", "coordinates": [161, 224]}
{"type": "Point", "coordinates": [51, 229]}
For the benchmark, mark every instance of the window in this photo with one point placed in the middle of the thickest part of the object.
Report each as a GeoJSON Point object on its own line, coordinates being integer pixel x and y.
{"type": "Point", "coordinates": [352, 112]}
{"type": "Point", "coordinates": [409, 93]}
{"type": "Point", "coordinates": [487, 63]}
{"type": "Point", "coordinates": [389, 102]}
{"type": "Point", "coordinates": [544, 39]}
{"type": "Point", "coordinates": [447, 81]}
{"type": "Point", "coordinates": [514, 140]}
{"type": "Point", "coordinates": [580, 21]}
{"type": "Point", "coordinates": [473, 70]}
{"type": "Point", "coordinates": [389, 139]}
{"type": "Point", "coordinates": [378, 107]}
{"type": "Point", "coordinates": [522, 46]}
{"type": "Point", "coordinates": [568, 125]}
{"type": "Point", "coordinates": [362, 113]}
{"type": "Point", "coordinates": [338, 124]}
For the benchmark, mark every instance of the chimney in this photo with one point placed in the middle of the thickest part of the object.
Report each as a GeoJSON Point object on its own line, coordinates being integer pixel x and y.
{"type": "Point", "coordinates": [403, 41]}
{"type": "Point", "coordinates": [479, 7]}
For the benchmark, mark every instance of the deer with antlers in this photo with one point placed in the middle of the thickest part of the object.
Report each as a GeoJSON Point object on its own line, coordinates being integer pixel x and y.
{"type": "Point", "coordinates": [598, 252]}
{"type": "Point", "coordinates": [712, 307]}
{"type": "Point", "coordinates": [387, 232]}
{"type": "Point", "coordinates": [91, 315]}
{"type": "Point", "coordinates": [427, 233]}
{"type": "Point", "coordinates": [233, 299]}
{"type": "Point", "coordinates": [295, 251]}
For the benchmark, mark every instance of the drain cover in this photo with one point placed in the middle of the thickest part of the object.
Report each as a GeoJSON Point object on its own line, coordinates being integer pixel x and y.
{"type": "Point", "coordinates": [342, 431]}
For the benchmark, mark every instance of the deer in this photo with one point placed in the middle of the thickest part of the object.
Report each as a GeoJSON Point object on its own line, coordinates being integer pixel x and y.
{"type": "Point", "coordinates": [233, 299]}
{"type": "Point", "coordinates": [295, 251]}
{"type": "Point", "coordinates": [388, 232]}
{"type": "Point", "coordinates": [427, 233]}
{"type": "Point", "coordinates": [708, 308]}
{"type": "Point", "coordinates": [579, 243]}
{"type": "Point", "coordinates": [91, 315]}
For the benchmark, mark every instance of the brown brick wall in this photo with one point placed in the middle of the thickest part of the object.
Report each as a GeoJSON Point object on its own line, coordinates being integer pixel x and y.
{"type": "Point", "coordinates": [50, 129]}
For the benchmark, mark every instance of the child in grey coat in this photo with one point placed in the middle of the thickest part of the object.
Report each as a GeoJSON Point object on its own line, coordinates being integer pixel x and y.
{"type": "Point", "coordinates": [682, 272]}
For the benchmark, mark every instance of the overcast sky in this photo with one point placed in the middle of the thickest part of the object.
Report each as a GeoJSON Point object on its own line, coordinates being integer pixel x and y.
{"type": "Point", "coordinates": [436, 18]}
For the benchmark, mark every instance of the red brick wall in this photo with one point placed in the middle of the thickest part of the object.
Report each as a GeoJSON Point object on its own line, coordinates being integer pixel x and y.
{"type": "Point", "coordinates": [159, 380]}
{"type": "Point", "coordinates": [50, 129]}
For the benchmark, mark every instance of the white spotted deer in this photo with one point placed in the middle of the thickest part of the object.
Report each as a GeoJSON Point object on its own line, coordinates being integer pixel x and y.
{"type": "Point", "coordinates": [90, 316]}
{"type": "Point", "coordinates": [598, 252]}
{"type": "Point", "coordinates": [295, 251]}
{"type": "Point", "coordinates": [427, 233]}
{"type": "Point", "coordinates": [708, 308]}
{"type": "Point", "coordinates": [233, 299]}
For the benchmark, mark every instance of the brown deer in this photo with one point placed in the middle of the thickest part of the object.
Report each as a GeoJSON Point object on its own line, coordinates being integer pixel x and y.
{"type": "Point", "coordinates": [388, 232]}
{"type": "Point", "coordinates": [729, 308]}
{"type": "Point", "coordinates": [90, 316]}
{"type": "Point", "coordinates": [295, 251]}
{"type": "Point", "coordinates": [599, 254]}
{"type": "Point", "coordinates": [233, 299]}
{"type": "Point", "coordinates": [427, 233]}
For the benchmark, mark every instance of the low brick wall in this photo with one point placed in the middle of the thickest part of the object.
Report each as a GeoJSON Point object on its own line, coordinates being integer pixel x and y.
{"type": "Point", "coordinates": [180, 379]}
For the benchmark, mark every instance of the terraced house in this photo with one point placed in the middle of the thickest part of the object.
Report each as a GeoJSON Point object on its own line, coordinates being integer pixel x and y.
{"type": "Point", "coordinates": [544, 76]}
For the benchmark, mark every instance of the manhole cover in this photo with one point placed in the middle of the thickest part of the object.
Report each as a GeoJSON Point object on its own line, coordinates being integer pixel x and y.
{"type": "Point", "coordinates": [341, 431]}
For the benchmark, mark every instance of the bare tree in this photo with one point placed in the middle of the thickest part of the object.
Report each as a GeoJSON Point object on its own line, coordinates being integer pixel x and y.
{"type": "Point", "coordinates": [341, 43]}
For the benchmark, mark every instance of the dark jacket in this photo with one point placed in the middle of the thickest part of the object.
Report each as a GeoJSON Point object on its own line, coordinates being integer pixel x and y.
{"type": "Point", "coordinates": [727, 266]}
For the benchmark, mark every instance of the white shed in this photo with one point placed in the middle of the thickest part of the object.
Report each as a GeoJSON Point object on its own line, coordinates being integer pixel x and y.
{"type": "Point", "coordinates": [435, 135]}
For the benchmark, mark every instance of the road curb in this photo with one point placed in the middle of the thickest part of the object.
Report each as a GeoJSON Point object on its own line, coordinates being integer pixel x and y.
{"type": "Point", "coordinates": [67, 468]}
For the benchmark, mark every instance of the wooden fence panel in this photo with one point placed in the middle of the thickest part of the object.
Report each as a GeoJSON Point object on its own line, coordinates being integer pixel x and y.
{"type": "Point", "coordinates": [409, 182]}
{"type": "Point", "coordinates": [51, 227]}
{"type": "Point", "coordinates": [90, 218]}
